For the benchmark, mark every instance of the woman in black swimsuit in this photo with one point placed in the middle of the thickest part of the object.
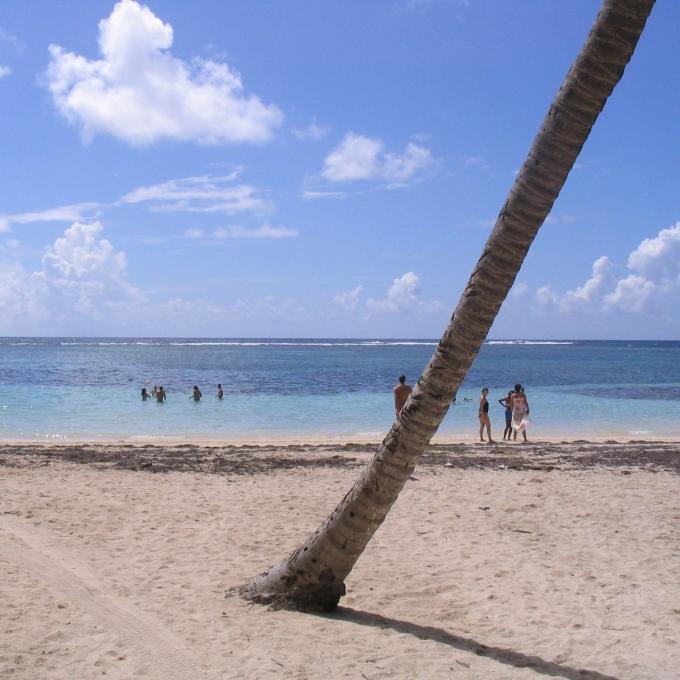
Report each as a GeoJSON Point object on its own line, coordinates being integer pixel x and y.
{"type": "Point", "coordinates": [484, 416]}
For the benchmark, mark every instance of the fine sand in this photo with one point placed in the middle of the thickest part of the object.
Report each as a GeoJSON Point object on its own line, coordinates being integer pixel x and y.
{"type": "Point", "coordinates": [553, 559]}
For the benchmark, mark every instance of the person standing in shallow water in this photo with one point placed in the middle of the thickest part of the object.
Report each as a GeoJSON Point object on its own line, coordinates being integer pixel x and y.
{"type": "Point", "coordinates": [196, 396]}
{"type": "Point", "coordinates": [520, 413]}
{"type": "Point", "coordinates": [160, 395]}
{"type": "Point", "coordinates": [401, 392]}
{"type": "Point", "coordinates": [484, 421]}
{"type": "Point", "coordinates": [506, 403]}
{"type": "Point", "coordinates": [220, 391]}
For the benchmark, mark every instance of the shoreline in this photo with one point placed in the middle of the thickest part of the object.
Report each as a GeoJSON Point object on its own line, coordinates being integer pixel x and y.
{"type": "Point", "coordinates": [257, 457]}
{"type": "Point", "coordinates": [318, 439]}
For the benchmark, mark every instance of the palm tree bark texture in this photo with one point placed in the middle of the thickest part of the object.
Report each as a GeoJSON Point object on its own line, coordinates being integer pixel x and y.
{"type": "Point", "coordinates": [312, 577]}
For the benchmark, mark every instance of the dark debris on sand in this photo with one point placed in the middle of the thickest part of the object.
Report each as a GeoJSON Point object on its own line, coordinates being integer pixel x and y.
{"type": "Point", "coordinates": [225, 460]}
{"type": "Point", "coordinates": [626, 457]}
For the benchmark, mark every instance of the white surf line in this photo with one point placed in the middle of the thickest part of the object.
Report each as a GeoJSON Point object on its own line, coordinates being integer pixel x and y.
{"type": "Point", "coordinates": [163, 653]}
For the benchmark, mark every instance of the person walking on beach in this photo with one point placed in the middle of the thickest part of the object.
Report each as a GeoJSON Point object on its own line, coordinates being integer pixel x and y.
{"type": "Point", "coordinates": [506, 403]}
{"type": "Point", "coordinates": [160, 394]}
{"type": "Point", "coordinates": [401, 392]}
{"type": "Point", "coordinates": [483, 414]}
{"type": "Point", "coordinates": [220, 391]}
{"type": "Point", "coordinates": [196, 396]}
{"type": "Point", "coordinates": [520, 413]}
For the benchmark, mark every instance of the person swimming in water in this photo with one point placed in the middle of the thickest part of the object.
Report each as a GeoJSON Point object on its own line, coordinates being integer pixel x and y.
{"type": "Point", "coordinates": [145, 394]}
{"type": "Point", "coordinates": [196, 394]}
{"type": "Point", "coordinates": [160, 394]}
{"type": "Point", "coordinates": [483, 414]}
{"type": "Point", "coordinates": [220, 391]}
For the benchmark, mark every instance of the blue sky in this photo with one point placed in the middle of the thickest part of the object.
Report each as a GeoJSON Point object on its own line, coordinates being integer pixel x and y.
{"type": "Point", "coordinates": [305, 169]}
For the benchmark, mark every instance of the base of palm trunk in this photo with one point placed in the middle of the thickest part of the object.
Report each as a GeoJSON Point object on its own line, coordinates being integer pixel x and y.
{"type": "Point", "coordinates": [280, 588]}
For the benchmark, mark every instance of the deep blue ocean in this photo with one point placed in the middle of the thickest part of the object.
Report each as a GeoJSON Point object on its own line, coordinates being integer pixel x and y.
{"type": "Point", "coordinates": [89, 388]}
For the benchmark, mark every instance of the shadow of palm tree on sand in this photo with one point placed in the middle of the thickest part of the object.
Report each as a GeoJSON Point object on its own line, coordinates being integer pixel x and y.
{"type": "Point", "coordinates": [499, 654]}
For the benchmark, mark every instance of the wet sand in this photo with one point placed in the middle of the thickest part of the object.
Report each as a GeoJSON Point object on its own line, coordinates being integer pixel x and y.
{"type": "Point", "coordinates": [515, 561]}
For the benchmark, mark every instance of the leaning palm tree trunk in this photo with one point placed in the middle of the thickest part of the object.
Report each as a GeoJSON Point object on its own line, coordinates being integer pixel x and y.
{"type": "Point", "coordinates": [312, 577]}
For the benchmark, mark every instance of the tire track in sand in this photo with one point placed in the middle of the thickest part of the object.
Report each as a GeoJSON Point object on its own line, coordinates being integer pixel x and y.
{"type": "Point", "coordinates": [164, 654]}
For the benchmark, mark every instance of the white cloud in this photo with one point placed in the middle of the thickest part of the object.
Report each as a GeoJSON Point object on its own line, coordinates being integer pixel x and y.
{"type": "Point", "coordinates": [403, 296]}
{"type": "Point", "coordinates": [19, 298]}
{"type": "Point", "coordinates": [659, 257]}
{"type": "Point", "coordinates": [349, 299]}
{"type": "Point", "coordinates": [651, 284]}
{"type": "Point", "coordinates": [631, 294]}
{"type": "Point", "coordinates": [546, 296]}
{"type": "Point", "coordinates": [362, 158]}
{"type": "Point", "coordinates": [312, 133]}
{"type": "Point", "coordinates": [4, 71]}
{"type": "Point", "coordinates": [140, 93]}
{"type": "Point", "coordinates": [82, 275]}
{"type": "Point", "coordinates": [201, 194]}
{"type": "Point", "coordinates": [4, 223]}
{"type": "Point", "coordinates": [592, 288]}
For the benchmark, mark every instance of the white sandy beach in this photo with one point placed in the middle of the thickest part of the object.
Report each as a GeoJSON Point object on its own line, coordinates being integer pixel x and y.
{"type": "Point", "coordinates": [485, 568]}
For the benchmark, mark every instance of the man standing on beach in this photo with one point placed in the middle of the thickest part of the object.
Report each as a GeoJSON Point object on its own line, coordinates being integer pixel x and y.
{"type": "Point", "coordinates": [401, 392]}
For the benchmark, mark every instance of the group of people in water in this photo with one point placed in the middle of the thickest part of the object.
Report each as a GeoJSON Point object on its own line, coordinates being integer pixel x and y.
{"type": "Point", "coordinates": [158, 393]}
{"type": "Point", "coordinates": [516, 407]}
{"type": "Point", "coordinates": [515, 404]}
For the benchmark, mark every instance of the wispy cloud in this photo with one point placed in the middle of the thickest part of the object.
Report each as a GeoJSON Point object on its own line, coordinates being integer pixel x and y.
{"type": "Point", "coordinates": [4, 71]}
{"type": "Point", "coordinates": [310, 195]}
{"type": "Point", "coordinates": [478, 162]}
{"type": "Point", "coordinates": [264, 231]}
{"type": "Point", "coordinates": [11, 39]}
{"type": "Point", "coordinates": [201, 194]}
{"type": "Point", "coordinates": [140, 93]}
{"type": "Point", "coordinates": [350, 299]}
{"type": "Point", "coordinates": [312, 133]}
{"type": "Point", "coordinates": [560, 218]}
{"type": "Point", "coordinates": [74, 212]}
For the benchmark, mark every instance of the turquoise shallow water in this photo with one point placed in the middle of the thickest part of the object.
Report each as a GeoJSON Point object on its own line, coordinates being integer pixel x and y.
{"type": "Point", "coordinates": [85, 388]}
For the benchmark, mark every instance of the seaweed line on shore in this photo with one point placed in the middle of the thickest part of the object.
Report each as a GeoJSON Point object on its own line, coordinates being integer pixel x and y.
{"type": "Point", "coordinates": [257, 459]}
